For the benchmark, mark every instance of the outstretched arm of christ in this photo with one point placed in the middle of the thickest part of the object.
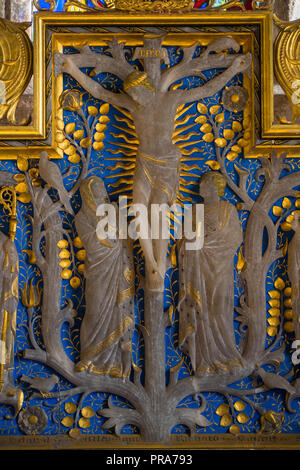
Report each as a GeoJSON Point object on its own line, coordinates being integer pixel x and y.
{"type": "Point", "coordinates": [239, 65]}
{"type": "Point", "coordinates": [116, 65]}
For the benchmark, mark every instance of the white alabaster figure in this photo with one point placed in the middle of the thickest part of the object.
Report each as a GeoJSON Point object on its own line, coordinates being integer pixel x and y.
{"type": "Point", "coordinates": [206, 330]}
{"type": "Point", "coordinates": [294, 273]}
{"type": "Point", "coordinates": [107, 326]}
{"type": "Point", "coordinates": [152, 103]}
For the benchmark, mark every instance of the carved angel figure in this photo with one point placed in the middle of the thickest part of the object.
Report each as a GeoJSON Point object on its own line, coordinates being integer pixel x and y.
{"type": "Point", "coordinates": [206, 330]}
{"type": "Point", "coordinates": [152, 103]}
{"type": "Point", "coordinates": [107, 326]}
{"type": "Point", "coordinates": [294, 273]}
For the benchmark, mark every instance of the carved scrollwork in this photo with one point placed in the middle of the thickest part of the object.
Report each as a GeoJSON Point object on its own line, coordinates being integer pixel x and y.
{"type": "Point", "coordinates": [15, 66]}
{"type": "Point", "coordinates": [287, 63]}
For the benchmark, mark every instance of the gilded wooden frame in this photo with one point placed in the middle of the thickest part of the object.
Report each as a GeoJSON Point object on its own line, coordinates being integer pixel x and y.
{"type": "Point", "coordinates": [38, 132]}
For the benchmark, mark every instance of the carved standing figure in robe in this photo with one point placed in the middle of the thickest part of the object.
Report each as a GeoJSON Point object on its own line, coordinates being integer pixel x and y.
{"type": "Point", "coordinates": [153, 106]}
{"type": "Point", "coordinates": [206, 331]}
{"type": "Point", "coordinates": [294, 273]}
{"type": "Point", "coordinates": [108, 323]}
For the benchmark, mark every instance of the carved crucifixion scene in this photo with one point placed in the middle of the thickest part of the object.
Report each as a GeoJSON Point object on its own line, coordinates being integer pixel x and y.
{"type": "Point", "coordinates": [150, 270]}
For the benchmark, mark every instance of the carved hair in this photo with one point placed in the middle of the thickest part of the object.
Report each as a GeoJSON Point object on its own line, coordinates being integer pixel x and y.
{"type": "Point", "coordinates": [93, 193]}
{"type": "Point", "coordinates": [218, 180]}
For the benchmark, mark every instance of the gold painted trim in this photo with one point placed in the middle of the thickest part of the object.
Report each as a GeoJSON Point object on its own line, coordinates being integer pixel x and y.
{"type": "Point", "coordinates": [43, 20]}
{"type": "Point", "coordinates": [107, 442]}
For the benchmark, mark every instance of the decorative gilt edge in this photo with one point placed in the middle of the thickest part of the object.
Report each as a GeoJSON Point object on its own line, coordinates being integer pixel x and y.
{"type": "Point", "coordinates": [203, 442]}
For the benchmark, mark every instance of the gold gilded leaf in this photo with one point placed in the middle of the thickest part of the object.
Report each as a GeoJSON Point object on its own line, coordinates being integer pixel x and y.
{"type": "Point", "coordinates": [87, 412]}
{"type": "Point", "coordinates": [222, 410]}
{"type": "Point", "coordinates": [274, 294]}
{"type": "Point", "coordinates": [220, 118]}
{"type": "Point", "coordinates": [288, 291]}
{"type": "Point", "coordinates": [19, 178]}
{"type": "Point", "coordinates": [70, 150]}
{"type": "Point", "coordinates": [104, 109]}
{"type": "Point", "coordinates": [62, 243]}
{"type": "Point", "coordinates": [22, 163]}
{"type": "Point", "coordinates": [274, 303]}
{"type": "Point", "coordinates": [272, 331]}
{"type": "Point", "coordinates": [67, 421]}
{"type": "Point", "coordinates": [99, 136]}
{"type": "Point", "coordinates": [201, 119]}
{"type": "Point", "coordinates": [213, 164]}
{"type": "Point", "coordinates": [242, 143]}
{"type": "Point", "coordinates": [208, 137]}
{"type": "Point", "coordinates": [78, 134]}
{"type": "Point", "coordinates": [234, 429]}
{"type": "Point", "coordinates": [279, 284]}
{"type": "Point", "coordinates": [64, 144]}
{"type": "Point", "coordinates": [228, 134]}
{"type": "Point", "coordinates": [59, 137]}
{"type": "Point", "coordinates": [101, 127]}
{"type": "Point", "coordinates": [231, 156]}
{"type": "Point", "coordinates": [242, 418]}
{"type": "Point", "coordinates": [24, 197]}
{"type": "Point", "coordinates": [84, 423]}
{"type": "Point", "coordinates": [64, 253]}
{"type": "Point", "coordinates": [70, 407]}
{"type": "Point", "coordinates": [202, 109]}
{"type": "Point", "coordinates": [75, 433]}
{"type": "Point", "coordinates": [288, 303]}
{"type": "Point", "coordinates": [70, 128]}
{"type": "Point", "coordinates": [60, 124]}
{"type": "Point", "coordinates": [289, 327]}
{"type": "Point", "coordinates": [86, 142]}
{"type": "Point", "coordinates": [286, 203]}
{"type": "Point", "coordinates": [236, 126]}
{"type": "Point", "coordinates": [236, 148]}
{"type": "Point", "coordinates": [205, 128]}
{"type": "Point", "coordinates": [81, 255]}
{"type": "Point", "coordinates": [104, 119]}
{"type": "Point", "coordinates": [286, 227]}
{"type": "Point", "coordinates": [226, 420]}
{"type": "Point", "coordinates": [220, 142]}
{"type": "Point", "coordinates": [66, 273]}
{"type": "Point", "coordinates": [75, 158]}
{"type": "Point", "coordinates": [214, 109]}
{"type": "Point", "coordinates": [273, 321]}
{"type": "Point", "coordinates": [81, 268]}
{"type": "Point", "coordinates": [98, 146]}
{"type": "Point", "coordinates": [75, 282]}
{"type": "Point", "coordinates": [21, 188]}
{"type": "Point", "coordinates": [274, 312]}
{"type": "Point", "coordinates": [288, 314]}
{"type": "Point", "coordinates": [92, 110]}
{"type": "Point", "coordinates": [239, 405]}
{"type": "Point", "coordinates": [77, 242]}
{"type": "Point", "coordinates": [65, 263]}
{"type": "Point", "coordinates": [277, 211]}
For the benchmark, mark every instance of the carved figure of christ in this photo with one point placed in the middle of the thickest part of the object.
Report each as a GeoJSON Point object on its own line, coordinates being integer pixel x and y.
{"type": "Point", "coordinates": [147, 96]}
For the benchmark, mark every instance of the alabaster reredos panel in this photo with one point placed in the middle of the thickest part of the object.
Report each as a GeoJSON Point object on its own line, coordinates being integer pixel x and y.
{"type": "Point", "coordinates": [110, 337]}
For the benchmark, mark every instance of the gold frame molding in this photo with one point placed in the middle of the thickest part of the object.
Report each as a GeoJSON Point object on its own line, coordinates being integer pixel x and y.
{"type": "Point", "coordinates": [203, 442]}
{"type": "Point", "coordinates": [274, 134]}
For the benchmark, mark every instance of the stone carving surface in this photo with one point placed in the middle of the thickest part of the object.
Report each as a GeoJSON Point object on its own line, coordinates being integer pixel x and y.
{"type": "Point", "coordinates": [153, 108]}
{"type": "Point", "coordinates": [206, 278]}
{"type": "Point", "coordinates": [107, 327]}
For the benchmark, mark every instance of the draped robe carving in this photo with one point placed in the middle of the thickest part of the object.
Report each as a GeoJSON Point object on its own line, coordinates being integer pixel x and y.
{"type": "Point", "coordinates": [206, 331]}
{"type": "Point", "coordinates": [294, 274]}
{"type": "Point", "coordinates": [108, 323]}
{"type": "Point", "coordinates": [9, 303]}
